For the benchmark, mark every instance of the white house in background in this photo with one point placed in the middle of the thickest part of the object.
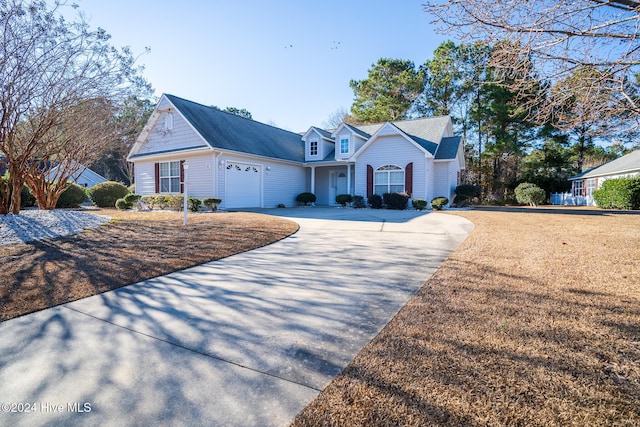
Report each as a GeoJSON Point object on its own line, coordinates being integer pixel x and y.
{"type": "Point", "coordinates": [250, 164]}
{"type": "Point", "coordinates": [584, 184]}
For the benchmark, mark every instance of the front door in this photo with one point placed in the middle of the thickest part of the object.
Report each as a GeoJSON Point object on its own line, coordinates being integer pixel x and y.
{"type": "Point", "coordinates": [337, 185]}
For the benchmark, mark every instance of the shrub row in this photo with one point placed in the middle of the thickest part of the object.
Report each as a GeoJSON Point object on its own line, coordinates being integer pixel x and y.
{"type": "Point", "coordinates": [620, 193]}
{"type": "Point", "coordinates": [166, 201]}
{"type": "Point", "coordinates": [397, 201]}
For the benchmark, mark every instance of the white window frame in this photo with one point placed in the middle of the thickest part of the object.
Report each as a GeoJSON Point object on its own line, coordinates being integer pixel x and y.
{"type": "Point", "coordinates": [577, 187]}
{"type": "Point", "coordinates": [343, 141]}
{"type": "Point", "coordinates": [591, 186]}
{"type": "Point", "coordinates": [313, 148]}
{"type": "Point", "coordinates": [383, 182]}
{"type": "Point", "coordinates": [167, 178]}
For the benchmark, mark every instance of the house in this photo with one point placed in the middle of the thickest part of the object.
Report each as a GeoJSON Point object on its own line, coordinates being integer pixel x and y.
{"type": "Point", "coordinates": [83, 176]}
{"type": "Point", "coordinates": [584, 184]}
{"type": "Point", "coordinates": [250, 164]}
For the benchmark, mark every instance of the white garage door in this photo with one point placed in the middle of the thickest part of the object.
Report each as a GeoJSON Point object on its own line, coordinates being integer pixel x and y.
{"type": "Point", "coordinates": [243, 188]}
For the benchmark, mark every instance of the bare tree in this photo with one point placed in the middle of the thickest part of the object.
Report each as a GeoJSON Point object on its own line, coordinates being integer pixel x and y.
{"type": "Point", "coordinates": [49, 68]}
{"type": "Point", "coordinates": [559, 38]}
{"type": "Point", "coordinates": [341, 115]}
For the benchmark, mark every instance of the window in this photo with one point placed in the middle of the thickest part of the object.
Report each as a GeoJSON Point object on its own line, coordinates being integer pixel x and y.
{"type": "Point", "coordinates": [170, 177]}
{"type": "Point", "coordinates": [313, 148]}
{"type": "Point", "coordinates": [577, 188]}
{"type": "Point", "coordinates": [591, 186]}
{"type": "Point", "coordinates": [344, 145]}
{"type": "Point", "coordinates": [388, 179]}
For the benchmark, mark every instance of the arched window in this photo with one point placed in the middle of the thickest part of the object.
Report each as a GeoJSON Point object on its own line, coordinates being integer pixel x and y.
{"type": "Point", "coordinates": [388, 179]}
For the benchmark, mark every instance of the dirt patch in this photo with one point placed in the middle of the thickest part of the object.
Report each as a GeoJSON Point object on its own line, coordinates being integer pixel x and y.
{"type": "Point", "coordinates": [134, 246]}
{"type": "Point", "coordinates": [534, 320]}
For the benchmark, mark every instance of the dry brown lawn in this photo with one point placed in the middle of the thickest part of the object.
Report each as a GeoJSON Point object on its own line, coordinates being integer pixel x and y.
{"type": "Point", "coordinates": [533, 321]}
{"type": "Point", "coordinates": [134, 246]}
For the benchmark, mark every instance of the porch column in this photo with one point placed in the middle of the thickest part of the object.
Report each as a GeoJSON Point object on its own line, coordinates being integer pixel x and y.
{"type": "Point", "coordinates": [348, 178]}
{"type": "Point", "coordinates": [313, 179]}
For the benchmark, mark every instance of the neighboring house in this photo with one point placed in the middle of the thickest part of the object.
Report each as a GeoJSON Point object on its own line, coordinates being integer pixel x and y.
{"type": "Point", "coordinates": [83, 176]}
{"type": "Point", "coordinates": [584, 184]}
{"type": "Point", "coordinates": [250, 164]}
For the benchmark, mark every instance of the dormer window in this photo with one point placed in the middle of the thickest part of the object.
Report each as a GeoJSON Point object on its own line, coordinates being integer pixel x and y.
{"type": "Point", "coordinates": [313, 148]}
{"type": "Point", "coordinates": [344, 145]}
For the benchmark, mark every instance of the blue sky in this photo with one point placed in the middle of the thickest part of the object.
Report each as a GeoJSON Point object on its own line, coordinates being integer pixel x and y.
{"type": "Point", "coordinates": [288, 62]}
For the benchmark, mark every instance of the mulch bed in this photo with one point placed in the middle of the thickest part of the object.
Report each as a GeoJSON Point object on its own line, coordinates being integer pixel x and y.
{"type": "Point", "coordinates": [533, 321]}
{"type": "Point", "coordinates": [134, 246]}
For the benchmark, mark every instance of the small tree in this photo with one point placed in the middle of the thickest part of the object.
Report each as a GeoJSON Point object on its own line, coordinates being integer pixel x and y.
{"type": "Point", "coordinates": [528, 193]}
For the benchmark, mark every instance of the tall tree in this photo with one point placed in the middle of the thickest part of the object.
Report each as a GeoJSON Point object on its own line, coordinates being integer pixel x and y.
{"type": "Point", "coordinates": [49, 68]}
{"type": "Point", "coordinates": [559, 37]}
{"type": "Point", "coordinates": [388, 92]}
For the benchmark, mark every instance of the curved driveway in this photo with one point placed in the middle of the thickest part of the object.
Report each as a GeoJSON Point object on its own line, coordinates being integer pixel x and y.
{"type": "Point", "coordinates": [247, 340]}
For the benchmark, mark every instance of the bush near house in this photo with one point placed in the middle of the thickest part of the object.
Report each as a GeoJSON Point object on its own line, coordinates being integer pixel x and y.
{"type": "Point", "coordinates": [72, 196]}
{"type": "Point", "coordinates": [212, 203]}
{"type": "Point", "coordinates": [358, 202]}
{"type": "Point", "coordinates": [343, 199]}
{"type": "Point", "coordinates": [620, 193]}
{"type": "Point", "coordinates": [419, 204]}
{"type": "Point", "coordinates": [122, 204]}
{"type": "Point", "coordinates": [105, 194]}
{"type": "Point", "coordinates": [375, 201]}
{"type": "Point", "coordinates": [306, 198]}
{"type": "Point", "coordinates": [194, 204]}
{"type": "Point", "coordinates": [397, 201]}
{"type": "Point", "coordinates": [528, 193]}
{"type": "Point", "coordinates": [439, 202]}
{"type": "Point", "coordinates": [27, 199]}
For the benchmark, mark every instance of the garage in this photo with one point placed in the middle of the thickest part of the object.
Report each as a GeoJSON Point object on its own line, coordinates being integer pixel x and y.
{"type": "Point", "coordinates": [243, 189]}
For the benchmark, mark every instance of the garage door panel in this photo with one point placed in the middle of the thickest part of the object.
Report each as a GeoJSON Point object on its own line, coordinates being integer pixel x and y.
{"type": "Point", "coordinates": [244, 188]}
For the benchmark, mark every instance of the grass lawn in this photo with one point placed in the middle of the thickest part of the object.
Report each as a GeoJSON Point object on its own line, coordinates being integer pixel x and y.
{"type": "Point", "coordinates": [134, 246]}
{"type": "Point", "coordinates": [533, 321]}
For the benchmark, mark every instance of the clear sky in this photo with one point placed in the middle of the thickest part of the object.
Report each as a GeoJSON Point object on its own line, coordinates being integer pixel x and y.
{"type": "Point", "coordinates": [288, 62]}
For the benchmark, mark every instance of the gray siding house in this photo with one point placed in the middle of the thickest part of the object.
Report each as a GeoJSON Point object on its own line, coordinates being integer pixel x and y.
{"type": "Point", "coordinates": [250, 164]}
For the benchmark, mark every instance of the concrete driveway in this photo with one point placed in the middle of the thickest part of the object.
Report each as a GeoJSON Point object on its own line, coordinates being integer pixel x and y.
{"type": "Point", "coordinates": [247, 340]}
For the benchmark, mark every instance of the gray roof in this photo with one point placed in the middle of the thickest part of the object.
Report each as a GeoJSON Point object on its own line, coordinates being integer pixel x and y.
{"type": "Point", "coordinates": [426, 132]}
{"type": "Point", "coordinates": [627, 163]}
{"type": "Point", "coordinates": [324, 133]}
{"type": "Point", "coordinates": [231, 132]}
{"type": "Point", "coordinates": [448, 148]}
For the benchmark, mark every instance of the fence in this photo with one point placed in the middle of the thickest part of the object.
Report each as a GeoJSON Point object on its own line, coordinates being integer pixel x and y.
{"type": "Point", "coordinates": [569, 200]}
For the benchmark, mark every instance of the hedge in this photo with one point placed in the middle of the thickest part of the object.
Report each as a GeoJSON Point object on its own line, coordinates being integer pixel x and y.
{"type": "Point", "coordinates": [105, 194]}
{"type": "Point", "coordinates": [619, 193]}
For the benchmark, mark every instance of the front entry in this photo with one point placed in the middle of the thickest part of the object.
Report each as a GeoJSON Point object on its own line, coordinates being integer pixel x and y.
{"type": "Point", "coordinates": [337, 185]}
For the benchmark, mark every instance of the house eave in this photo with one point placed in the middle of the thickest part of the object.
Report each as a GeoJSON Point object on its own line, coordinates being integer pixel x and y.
{"type": "Point", "coordinates": [170, 153]}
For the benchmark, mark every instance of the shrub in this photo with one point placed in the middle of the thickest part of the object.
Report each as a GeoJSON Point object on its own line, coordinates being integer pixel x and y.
{"type": "Point", "coordinates": [375, 201]}
{"type": "Point", "coordinates": [306, 198]}
{"type": "Point", "coordinates": [163, 201]}
{"type": "Point", "coordinates": [132, 188]}
{"type": "Point", "coordinates": [358, 202]}
{"type": "Point", "coordinates": [468, 190]}
{"type": "Point", "coordinates": [528, 193]}
{"type": "Point", "coordinates": [27, 198]}
{"type": "Point", "coordinates": [461, 200]}
{"type": "Point", "coordinates": [419, 204]}
{"type": "Point", "coordinates": [343, 199]}
{"type": "Point", "coordinates": [194, 204]}
{"type": "Point", "coordinates": [396, 201]}
{"type": "Point", "coordinates": [105, 194]}
{"type": "Point", "coordinates": [176, 201]}
{"type": "Point", "coordinates": [148, 202]}
{"type": "Point", "coordinates": [281, 205]}
{"type": "Point", "coordinates": [439, 202]}
{"type": "Point", "coordinates": [132, 198]}
{"type": "Point", "coordinates": [72, 196]}
{"type": "Point", "coordinates": [212, 203]}
{"type": "Point", "coordinates": [620, 193]}
{"type": "Point", "coordinates": [123, 205]}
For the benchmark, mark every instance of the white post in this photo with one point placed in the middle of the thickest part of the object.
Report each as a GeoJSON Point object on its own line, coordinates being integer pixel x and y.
{"type": "Point", "coordinates": [185, 203]}
{"type": "Point", "coordinates": [313, 179]}
{"type": "Point", "coordinates": [348, 178]}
